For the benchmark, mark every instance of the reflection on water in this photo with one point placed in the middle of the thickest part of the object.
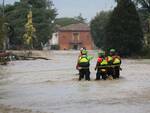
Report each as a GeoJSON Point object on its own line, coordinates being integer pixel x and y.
{"type": "Point", "coordinates": [52, 86]}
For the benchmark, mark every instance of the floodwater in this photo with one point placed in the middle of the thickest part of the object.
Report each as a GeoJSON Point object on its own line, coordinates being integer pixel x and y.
{"type": "Point", "coordinates": [52, 86]}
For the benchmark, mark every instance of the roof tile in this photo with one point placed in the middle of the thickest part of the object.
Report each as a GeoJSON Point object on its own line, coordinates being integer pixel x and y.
{"type": "Point", "coordinates": [75, 27]}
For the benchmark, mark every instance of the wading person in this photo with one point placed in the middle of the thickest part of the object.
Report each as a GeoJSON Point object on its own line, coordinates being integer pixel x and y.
{"type": "Point", "coordinates": [80, 54]}
{"type": "Point", "coordinates": [116, 65]}
{"type": "Point", "coordinates": [109, 59]}
{"type": "Point", "coordinates": [101, 66]}
{"type": "Point", "coordinates": [83, 65]}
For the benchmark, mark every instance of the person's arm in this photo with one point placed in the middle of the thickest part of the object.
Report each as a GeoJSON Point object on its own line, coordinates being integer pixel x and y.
{"type": "Point", "coordinates": [120, 59]}
{"type": "Point", "coordinates": [77, 65]}
{"type": "Point", "coordinates": [106, 58]}
{"type": "Point", "coordinates": [90, 57]}
{"type": "Point", "coordinates": [96, 67]}
{"type": "Point", "coordinates": [99, 60]}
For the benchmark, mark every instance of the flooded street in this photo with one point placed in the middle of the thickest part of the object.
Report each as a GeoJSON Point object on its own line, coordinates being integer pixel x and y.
{"type": "Point", "coordinates": [52, 87]}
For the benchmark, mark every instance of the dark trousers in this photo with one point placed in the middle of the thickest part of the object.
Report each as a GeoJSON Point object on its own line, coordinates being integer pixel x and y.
{"type": "Point", "coordinates": [84, 72]}
{"type": "Point", "coordinates": [116, 73]}
{"type": "Point", "coordinates": [100, 74]}
{"type": "Point", "coordinates": [110, 71]}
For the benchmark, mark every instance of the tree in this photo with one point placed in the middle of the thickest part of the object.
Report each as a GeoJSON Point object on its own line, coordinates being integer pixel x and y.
{"type": "Point", "coordinates": [145, 4]}
{"type": "Point", "coordinates": [43, 13]}
{"type": "Point", "coordinates": [80, 18]}
{"type": "Point", "coordinates": [30, 30]}
{"type": "Point", "coordinates": [144, 12]}
{"type": "Point", "coordinates": [98, 27]}
{"type": "Point", "coordinates": [123, 31]}
{"type": "Point", "coordinates": [1, 28]}
{"type": "Point", "coordinates": [1, 10]}
{"type": "Point", "coordinates": [1, 33]}
{"type": "Point", "coordinates": [64, 21]}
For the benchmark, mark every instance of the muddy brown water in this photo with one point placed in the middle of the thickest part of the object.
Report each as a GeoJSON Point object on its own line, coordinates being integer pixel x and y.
{"type": "Point", "coordinates": [53, 87]}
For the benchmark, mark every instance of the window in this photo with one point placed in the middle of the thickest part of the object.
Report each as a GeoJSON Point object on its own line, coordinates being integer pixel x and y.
{"type": "Point", "coordinates": [76, 36]}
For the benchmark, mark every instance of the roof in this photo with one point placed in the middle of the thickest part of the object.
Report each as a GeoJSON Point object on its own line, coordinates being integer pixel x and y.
{"type": "Point", "coordinates": [75, 27]}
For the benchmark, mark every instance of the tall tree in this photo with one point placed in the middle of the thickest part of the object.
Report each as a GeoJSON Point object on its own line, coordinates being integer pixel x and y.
{"type": "Point", "coordinates": [30, 30]}
{"type": "Point", "coordinates": [143, 7]}
{"type": "Point", "coordinates": [145, 4]}
{"type": "Point", "coordinates": [80, 18]}
{"type": "Point", "coordinates": [1, 33]}
{"type": "Point", "coordinates": [43, 15]}
{"type": "Point", "coordinates": [64, 21]}
{"type": "Point", "coordinates": [98, 24]}
{"type": "Point", "coordinates": [124, 31]}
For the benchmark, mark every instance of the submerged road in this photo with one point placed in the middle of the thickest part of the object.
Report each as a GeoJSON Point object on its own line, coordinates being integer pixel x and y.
{"type": "Point", "coordinates": [42, 86]}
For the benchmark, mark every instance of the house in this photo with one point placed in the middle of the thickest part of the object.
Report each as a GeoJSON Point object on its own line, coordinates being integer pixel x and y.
{"type": "Point", "coordinates": [54, 39]}
{"type": "Point", "coordinates": [73, 36]}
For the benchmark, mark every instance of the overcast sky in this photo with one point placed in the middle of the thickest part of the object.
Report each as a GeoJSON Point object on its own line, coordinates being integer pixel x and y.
{"type": "Point", "coordinates": [71, 8]}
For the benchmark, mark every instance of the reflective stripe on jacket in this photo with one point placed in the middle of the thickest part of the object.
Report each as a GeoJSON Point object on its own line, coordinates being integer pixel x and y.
{"type": "Point", "coordinates": [117, 61]}
{"type": "Point", "coordinates": [102, 61]}
{"type": "Point", "coordinates": [109, 58]}
{"type": "Point", "coordinates": [83, 59]}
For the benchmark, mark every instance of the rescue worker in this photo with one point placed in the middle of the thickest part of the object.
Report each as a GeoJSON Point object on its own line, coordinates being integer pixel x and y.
{"type": "Point", "coordinates": [116, 65]}
{"type": "Point", "coordinates": [109, 59]}
{"type": "Point", "coordinates": [114, 62]}
{"type": "Point", "coordinates": [83, 65]}
{"type": "Point", "coordinates": [80, 54]}
{"type": "Point", "coordinates": [101, 66]}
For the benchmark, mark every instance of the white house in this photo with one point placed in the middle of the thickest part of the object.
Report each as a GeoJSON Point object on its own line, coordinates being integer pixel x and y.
{"type": "Point", "coordinates": [54, 39]}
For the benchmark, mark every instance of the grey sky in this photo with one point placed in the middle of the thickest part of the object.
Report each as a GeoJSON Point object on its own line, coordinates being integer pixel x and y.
{"type": "Point", "coordinates": [71, 8]}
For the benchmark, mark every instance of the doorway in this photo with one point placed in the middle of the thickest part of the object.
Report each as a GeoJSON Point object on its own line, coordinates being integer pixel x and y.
{"type": "Point", "coordinates": [75, 47]}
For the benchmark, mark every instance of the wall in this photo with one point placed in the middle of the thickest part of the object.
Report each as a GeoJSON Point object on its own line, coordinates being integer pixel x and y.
{"type": "Point", "coordinates": [66, 37]}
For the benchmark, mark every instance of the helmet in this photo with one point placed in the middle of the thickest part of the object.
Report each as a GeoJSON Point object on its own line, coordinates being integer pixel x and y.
{"type": "Point", "coordinates": [84, 48]}
{"type": "Point", "coordinates": [112, 50]}
{"type": "Point", "coordinates": [81, 49]}
{"type": "Point", "coordinates": [101, 53]}
{"type": "Point", "coordinates": [84, 52]}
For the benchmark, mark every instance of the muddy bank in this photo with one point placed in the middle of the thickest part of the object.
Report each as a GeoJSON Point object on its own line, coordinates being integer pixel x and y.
{"type": "Point", "coordinates": [34, 53]}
